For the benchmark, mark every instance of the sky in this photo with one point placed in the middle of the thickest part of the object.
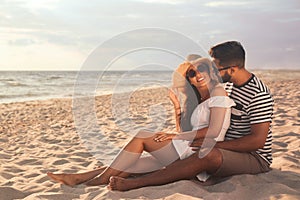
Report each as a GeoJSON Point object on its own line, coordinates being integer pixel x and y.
{"type": "Point", "coordinates": [62, 34]}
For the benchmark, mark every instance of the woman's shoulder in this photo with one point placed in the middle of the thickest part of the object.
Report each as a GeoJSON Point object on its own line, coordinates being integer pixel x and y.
{"type": "Point", "coordinates": [218, 90]}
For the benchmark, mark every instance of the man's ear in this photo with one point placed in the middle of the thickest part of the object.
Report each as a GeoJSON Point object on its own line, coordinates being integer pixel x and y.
{"type": "Point", "coordinates": [233, 69]}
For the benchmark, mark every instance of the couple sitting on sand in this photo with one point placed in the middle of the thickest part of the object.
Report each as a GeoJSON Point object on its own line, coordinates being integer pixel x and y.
{"type": "Point", "coordinates": [201, 149]}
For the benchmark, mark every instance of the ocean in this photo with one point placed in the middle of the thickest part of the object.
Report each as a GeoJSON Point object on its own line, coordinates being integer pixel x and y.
{"type": "Point", "coordinates": [19, 86]}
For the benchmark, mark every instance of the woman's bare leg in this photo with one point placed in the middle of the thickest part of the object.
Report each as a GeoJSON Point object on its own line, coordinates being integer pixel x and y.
{"type": "Point", "coordinates": [125, 160]}
{"type": "Point", "coordinates": [145, 164]}
{"type": "Point", "coordinates": [188, 168]}
{"type": "Point", "coordinates": [75, 179]}
{"type": "Point", "coordinates": [141, 167]}
{"type": "Point", "coordinates": [123, 164]}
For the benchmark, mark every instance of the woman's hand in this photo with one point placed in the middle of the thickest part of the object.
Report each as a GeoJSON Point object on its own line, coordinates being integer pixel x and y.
{"type": "Point", "coordinates": [161, 136]}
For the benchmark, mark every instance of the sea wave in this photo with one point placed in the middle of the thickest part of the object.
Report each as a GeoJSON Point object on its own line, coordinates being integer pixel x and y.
{"type": "Point", "coordinates": [15, 84]}
{"type": "Point", "coordinates": [22, 86]}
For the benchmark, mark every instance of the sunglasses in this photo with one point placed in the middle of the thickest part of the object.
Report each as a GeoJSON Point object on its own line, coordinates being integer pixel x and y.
{"type": "Point", "coordinates": [224, 68]}
{"type": "Point", "coordinates": [192, 73]}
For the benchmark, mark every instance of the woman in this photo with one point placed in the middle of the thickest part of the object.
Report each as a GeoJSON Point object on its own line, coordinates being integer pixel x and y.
{"type": "Point", "coordinates": [184, 96]}
{"type": "Point", "coordinates": [211, 119]}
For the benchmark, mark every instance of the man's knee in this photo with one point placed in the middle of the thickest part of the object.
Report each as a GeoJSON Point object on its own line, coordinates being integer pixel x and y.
{"type": "Point", "coordinates": [210, 163]}
{"type": "Point", "coordinates": [212, 157]}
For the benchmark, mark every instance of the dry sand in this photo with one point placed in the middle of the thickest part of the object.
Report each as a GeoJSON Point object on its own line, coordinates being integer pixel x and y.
{"type": "Point", "coordinates": [40, 136]}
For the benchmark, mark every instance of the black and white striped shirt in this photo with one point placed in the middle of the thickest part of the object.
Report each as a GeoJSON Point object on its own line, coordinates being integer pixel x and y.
{"type": "Point", "coordinates": [254, 104]}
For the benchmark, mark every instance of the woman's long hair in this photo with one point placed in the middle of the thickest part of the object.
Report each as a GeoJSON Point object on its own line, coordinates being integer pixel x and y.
{"type": "Point", "coordinates": [193, 96]}
{"type": "Point", "coordinates": [192, 101]}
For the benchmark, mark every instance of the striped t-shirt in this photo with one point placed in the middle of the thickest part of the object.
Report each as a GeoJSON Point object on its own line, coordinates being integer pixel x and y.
{"type": "Point", "coordinates": [254, 104]}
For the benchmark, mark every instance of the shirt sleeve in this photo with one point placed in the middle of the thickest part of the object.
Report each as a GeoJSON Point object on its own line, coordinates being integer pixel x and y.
{"type": "Point", "coordinates": [260, 108]}
{"type": "Point", "coordinates": [220, 101]}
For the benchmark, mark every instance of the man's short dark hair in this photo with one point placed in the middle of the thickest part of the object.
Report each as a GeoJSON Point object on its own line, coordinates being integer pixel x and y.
{"type": "Point", "coordinates": [229, 53]}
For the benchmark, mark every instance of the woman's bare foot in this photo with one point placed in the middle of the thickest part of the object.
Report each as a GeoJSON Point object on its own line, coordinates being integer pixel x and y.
{"type": "Point", "coordinates": [97, 181]}
{"type": "Point", "coordinates": [66, 179]}
{"type": "Point", "coordinates": [76, 179]}
{"type": "Point", "coordinates": [122, 184]}
{"type": "Point", "coordinates": [100, 167]}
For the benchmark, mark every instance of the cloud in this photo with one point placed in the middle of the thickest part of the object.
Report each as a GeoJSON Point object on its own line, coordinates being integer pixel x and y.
{"type": "Point", "coordinates": [289, 20]}
{"type": "Point", "coordinates": [227, 3]}
{"type": "Point", "coordinates": [22, 42]}
{"type": "Point", "coordinates": [172, 2]}
{"type": "Point", "coordinates": [36, 5]}
{"type": "Point", "coordinates": [266, 29]}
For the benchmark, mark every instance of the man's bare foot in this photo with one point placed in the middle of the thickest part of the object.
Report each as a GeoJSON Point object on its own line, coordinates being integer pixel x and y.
{"type": "Point", "coordinates": [121, 184]}
{"type": "Point", "coordinates": [66, 179]}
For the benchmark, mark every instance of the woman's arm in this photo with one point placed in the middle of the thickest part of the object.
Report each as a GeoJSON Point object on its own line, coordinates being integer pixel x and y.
{"type": "Point", "coordinates": [177, 109]}
{"type": "Point", "coordinates": [178, 119]}
{"type": "Point", "coordinates": [216, 120]}
{"type": "Point", "coordinates": [217, 116]}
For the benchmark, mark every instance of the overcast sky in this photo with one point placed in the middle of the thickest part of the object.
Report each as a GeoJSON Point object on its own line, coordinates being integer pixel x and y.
{"type": "Point", "coordinates": [61, 34]}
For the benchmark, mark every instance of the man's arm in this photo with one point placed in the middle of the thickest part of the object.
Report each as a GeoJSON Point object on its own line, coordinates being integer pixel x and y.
{"type": "Point", "coordinates": [248, 143]}
{"type": "Point", "coordinates": [217, 115]}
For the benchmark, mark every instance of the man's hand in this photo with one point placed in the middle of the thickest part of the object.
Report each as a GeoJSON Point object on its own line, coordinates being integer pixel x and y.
{"type": "Point", "coordinates": [203, 143]}
{"type": "Point", "coordinates": [197, 142]}
{"type": "Point", "coordinates": [161, 136]}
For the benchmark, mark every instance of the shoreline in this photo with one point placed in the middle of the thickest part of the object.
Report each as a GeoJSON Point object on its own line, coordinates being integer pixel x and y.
{"type": "Point", "coordinates": [72, 97]}
{"type": "Point", "coordinates": [265, 74]}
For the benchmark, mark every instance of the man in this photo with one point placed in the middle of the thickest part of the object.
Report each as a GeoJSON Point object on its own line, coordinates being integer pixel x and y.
{"type": "Point", "coordinates": [247, 145]}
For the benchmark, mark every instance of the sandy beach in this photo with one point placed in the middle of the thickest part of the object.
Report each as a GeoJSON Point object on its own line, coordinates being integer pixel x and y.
{"type": "Point", "coordinates": [41, 136]}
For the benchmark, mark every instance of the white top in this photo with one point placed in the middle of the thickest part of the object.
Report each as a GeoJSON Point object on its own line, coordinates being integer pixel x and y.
{"type": "Point", "coordinates": [199, 120]}
{"type": "Point", "coordinates": [201, 114]}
